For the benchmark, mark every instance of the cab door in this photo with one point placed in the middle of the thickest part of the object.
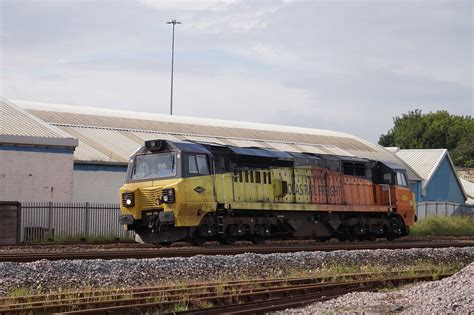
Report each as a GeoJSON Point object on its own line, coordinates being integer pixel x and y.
{"type": "Point", "coordinates": [199, 187]}
{"type": "Point", "coordinates": [404, 198]}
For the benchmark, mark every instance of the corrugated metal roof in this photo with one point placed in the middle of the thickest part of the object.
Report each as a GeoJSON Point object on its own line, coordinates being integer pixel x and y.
{"type": "Point", "coordinates": [113, 134]}
{"type": "Point", "coordinates": [426, 162]}
{"type": "Point", "coordinates": [423, 161]}
{"type": "Point", "coordinates": [15, 121]}
{"type": "Point", "coordinates": [88, 116]}
{"type": "Point", "coordinates": [468, 189]}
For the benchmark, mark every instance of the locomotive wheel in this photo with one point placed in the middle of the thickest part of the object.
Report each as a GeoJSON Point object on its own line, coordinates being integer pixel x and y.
{"type": "Point", "coordinates": [227, 238]}
{"type": "Point", "coordinates": [198, 240]}
{"type": "Point", "coordinates": [390, 237]}
{"type": "Point", "coordinates": [367, 237]}
{"type": "Point", "coordinates": [164, 244]}
{"type": "Point", "coordinates": [257, 239]}
{"type": "Point", "coordinates": [323, 239]}
{"type": "Point", "coordinates": [351, 237]}
{"type": "Point", "coordinates": [371, 237]}
{"type": "Point", "coordinates": [347, 235]}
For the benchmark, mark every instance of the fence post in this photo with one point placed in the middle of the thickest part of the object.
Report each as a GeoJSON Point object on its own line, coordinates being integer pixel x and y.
{"type": "Point", "coordinates": [87, 220]}
{"type": "Point", "coordinates": [50, 218]}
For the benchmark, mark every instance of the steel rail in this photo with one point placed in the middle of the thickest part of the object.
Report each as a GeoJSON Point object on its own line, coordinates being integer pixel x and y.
{"type": "Point", "coordinates": [217, 250]}
{"type": "Point", "coordinates": [261, 307]}
{"type": "Point", "coordinates": [267, 294]}
{"type": "Point", "coordinates": [239, 291]}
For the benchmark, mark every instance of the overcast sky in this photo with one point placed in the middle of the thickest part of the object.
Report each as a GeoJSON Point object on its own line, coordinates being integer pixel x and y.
{"type": "Point", "coordinates": [340, 65]}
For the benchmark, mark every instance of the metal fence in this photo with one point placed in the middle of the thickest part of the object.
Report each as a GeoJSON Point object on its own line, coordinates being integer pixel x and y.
{"type": "Point", "coordinates": [443, 208]}
{"type": "Point", "coordinates": [43, 221]}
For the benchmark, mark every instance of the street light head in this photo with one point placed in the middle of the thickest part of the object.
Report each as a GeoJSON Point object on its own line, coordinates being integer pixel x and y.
{"type": "Point", "coordinates": [174, 22]}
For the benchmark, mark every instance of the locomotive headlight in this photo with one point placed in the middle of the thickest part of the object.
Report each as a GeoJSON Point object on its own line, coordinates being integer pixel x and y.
{"type": "Point", "coordinates": [168, 195]}
{"type": "Point", "coordinates": [128, 199]}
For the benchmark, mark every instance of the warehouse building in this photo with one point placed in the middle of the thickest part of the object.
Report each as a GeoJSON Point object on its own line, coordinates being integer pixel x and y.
{"type": "Point", "coordinates": [468, 189]}
{"type": "Point", "coordinates": [36, 158]}
{"type": "Point", "coordinates": [440, 181]}
{"type": "Point", "coordinates": [106, 138]}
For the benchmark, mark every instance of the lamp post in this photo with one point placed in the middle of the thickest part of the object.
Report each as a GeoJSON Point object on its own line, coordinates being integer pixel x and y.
{"type": "Point", "coordinates": [174, 22]}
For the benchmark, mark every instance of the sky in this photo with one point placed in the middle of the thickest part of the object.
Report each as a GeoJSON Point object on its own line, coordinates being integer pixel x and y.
{"type": "Point", "coordinates": [347, 66]}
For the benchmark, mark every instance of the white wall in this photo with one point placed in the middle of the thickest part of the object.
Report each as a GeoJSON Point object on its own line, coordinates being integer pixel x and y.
{"type": "Point", "coordinates": [98, 186]}
{"type": "Point", "coordinates": [35, 176]}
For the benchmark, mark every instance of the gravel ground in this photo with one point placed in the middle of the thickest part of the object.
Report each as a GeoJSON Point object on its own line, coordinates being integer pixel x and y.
{"type": "Point", "coordinates": [453, 295]}
{"type": "Point", "coordinates": [47, 275]}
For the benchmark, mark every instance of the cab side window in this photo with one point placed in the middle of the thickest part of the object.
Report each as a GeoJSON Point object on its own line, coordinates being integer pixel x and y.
{"type": "Point", "coordinates": [197, 164]}
{"type": "Point", "coordinates": [387, 178]}
{"type": "Point", "coordinates": [401, 179]}
{"type": "Point", "coordinates": [192, 166]}
{"type": "Point", "coordinates": [202, 164]}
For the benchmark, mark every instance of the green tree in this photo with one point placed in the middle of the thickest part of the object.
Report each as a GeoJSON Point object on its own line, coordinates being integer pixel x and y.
{"type": "Point", "coordinates": [438, 130]}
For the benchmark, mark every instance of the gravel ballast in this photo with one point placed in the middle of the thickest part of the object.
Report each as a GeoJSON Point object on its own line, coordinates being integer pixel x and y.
{"type": "Point", "coordinates": [453, 295]}
{"type": "Point", "coordinates": [46, 275]}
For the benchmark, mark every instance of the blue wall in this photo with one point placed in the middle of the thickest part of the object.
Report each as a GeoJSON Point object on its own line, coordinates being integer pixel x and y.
{"type": "Point", "coordinates": [100, 168]}
{"type": "Point", "coordinates": [444, 185]}
{"type": "Point", "coordinates": [40, 149]}
{"type": "Point", "coordinates": [415, 186]}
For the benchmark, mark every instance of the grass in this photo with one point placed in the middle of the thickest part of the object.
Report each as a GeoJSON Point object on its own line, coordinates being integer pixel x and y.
{"type": "Point", "coordinates": [179, 307]}
{"type": "Point", "coordinates": [17, 292]}
{"type": "Point", "coordinates": [444, 226]}
{"type": "Point", "coordinates": [63, 239]}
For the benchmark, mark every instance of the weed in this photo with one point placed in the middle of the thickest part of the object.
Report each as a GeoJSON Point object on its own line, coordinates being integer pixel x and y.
{"type": "Point", "coordinates": [179, 307]}
{"type": "Point", "coordinates": [19, 292]}
{"type": "Point", "coordinates": [444, 226]}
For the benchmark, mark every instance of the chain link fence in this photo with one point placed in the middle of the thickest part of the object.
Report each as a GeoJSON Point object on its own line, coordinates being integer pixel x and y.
{"type": "Point", "coordinates": [57, 221]}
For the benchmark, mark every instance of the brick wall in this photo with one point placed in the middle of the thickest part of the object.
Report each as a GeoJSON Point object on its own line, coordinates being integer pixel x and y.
{"type": "Point", "coordinates": [41, 175]}
{"type": "Point", "coordinates": [98, 186]}
{"type": "Point", "coordinates": [9, 222]}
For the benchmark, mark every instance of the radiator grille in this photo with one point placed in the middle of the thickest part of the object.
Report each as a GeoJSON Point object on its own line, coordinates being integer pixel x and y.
{"type": "Point", "coordinates": [148, 197]}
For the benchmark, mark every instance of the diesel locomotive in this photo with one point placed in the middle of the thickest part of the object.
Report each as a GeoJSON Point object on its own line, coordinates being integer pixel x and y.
{"type": "Point", "coordinates": [198, 191]}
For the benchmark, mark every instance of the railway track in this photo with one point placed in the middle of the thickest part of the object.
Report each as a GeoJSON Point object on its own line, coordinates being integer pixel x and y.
{"type": "Point", "coordinates": [231, 297]}
{"type": "Point", "coordinates": [216, 250]}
